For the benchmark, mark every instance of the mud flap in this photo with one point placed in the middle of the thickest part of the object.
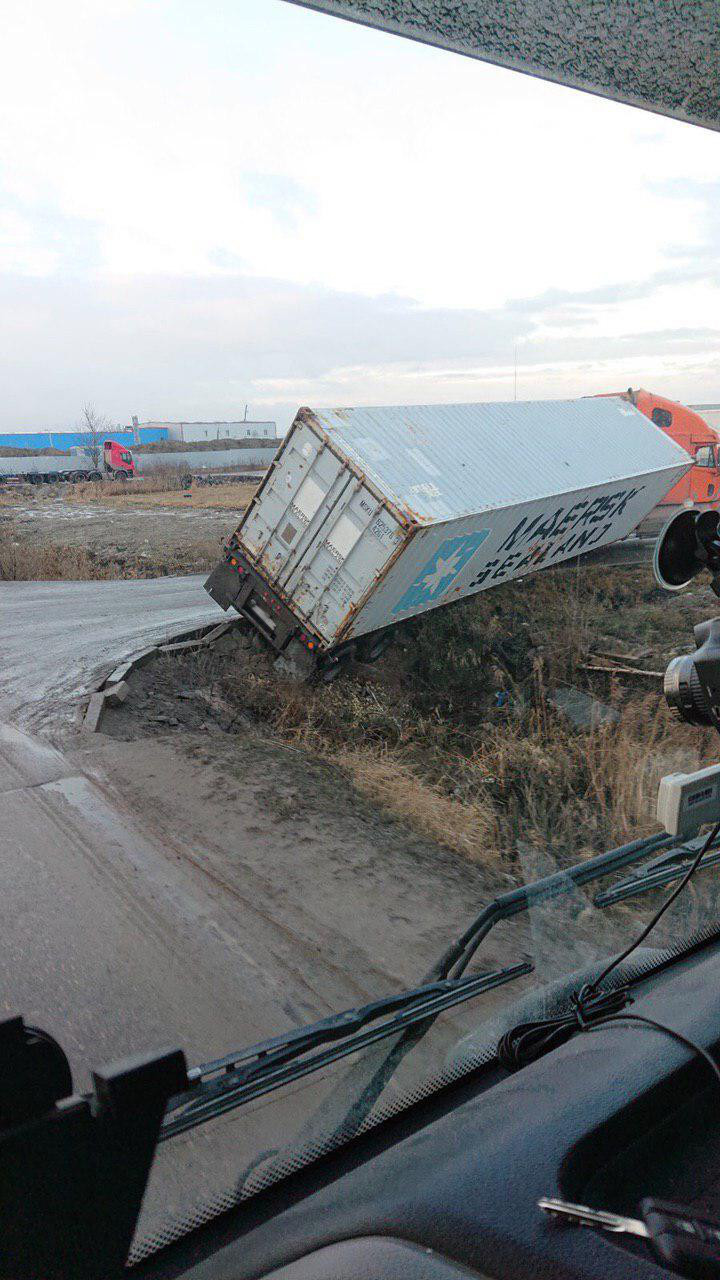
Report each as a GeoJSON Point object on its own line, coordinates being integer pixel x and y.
{"type": "Point", "coordinates": [223, 585]}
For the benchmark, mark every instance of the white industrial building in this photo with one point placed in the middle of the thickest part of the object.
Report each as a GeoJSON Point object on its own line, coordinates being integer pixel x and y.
{"type": "Point", "coordinates": [192, 432]}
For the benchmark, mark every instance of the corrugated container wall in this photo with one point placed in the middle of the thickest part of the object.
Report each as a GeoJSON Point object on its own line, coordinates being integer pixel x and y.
{"type": "Point", "coordinates": [370, 516]}
{"type": "Point", "coordinates": [259, 456]}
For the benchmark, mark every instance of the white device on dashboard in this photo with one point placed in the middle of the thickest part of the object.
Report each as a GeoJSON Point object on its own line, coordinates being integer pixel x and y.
{"type": "Point", "coordinates": [687, 801]}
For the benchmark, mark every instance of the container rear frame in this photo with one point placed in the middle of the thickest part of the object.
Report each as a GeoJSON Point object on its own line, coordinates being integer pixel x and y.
{"type": "Point", "coordinates": [239, 582]}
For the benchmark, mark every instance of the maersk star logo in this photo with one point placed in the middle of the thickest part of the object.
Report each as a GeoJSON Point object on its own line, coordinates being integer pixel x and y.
{"type": "Point", "coordinates": [441, 570]}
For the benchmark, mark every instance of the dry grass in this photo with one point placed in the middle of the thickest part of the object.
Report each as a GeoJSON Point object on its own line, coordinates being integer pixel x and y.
{"type": "Point", "coordinates": [164, 493]}
{"type": "Point", "coordinates": [30, 562]}
{"type": "Point", "coordinates": [26, 562]}
{"type": "Point", "coordinates": [422, 734]}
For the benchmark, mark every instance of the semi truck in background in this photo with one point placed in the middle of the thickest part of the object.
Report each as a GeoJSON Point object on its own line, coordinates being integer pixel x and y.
{"type": "Point", "coordinates": [368, 518]}
{"type": "Point", "coordinates": [700, 486]}
{"type": "Point", "coordinates": [117, 463]}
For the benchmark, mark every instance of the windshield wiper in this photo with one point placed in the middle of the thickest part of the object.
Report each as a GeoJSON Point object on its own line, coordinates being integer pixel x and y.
{"type": "Point", "coordinates": [670, 866]}
{"type": "Point", "coordinates": [457, 956]}
{"type": "Point", "coordinates": [231, 1081]}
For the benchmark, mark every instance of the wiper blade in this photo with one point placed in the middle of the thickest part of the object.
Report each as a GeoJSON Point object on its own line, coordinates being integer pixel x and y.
{"type": "Point", "coordinates": [660, 871]}
{"type": "Point", "coordinates": [229, 1082]}
{"type": "Point", "coordinates": [457, 956]}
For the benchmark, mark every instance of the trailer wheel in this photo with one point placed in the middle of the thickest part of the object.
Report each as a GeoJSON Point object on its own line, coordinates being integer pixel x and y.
{"type": "Point", "coordinates": [335, 665]}
{"type": "Point", "coordinates": [331, 671]}
{"type": "Point", "coordinates": [375, 647]}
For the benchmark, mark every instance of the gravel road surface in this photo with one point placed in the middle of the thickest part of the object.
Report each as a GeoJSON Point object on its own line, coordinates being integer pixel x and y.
{"type": "Point", "coordinates": [57, 637]}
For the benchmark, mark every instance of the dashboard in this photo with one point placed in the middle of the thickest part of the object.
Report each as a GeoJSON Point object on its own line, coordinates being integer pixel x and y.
{"type": "Point", "coordinates": [450, 1187]}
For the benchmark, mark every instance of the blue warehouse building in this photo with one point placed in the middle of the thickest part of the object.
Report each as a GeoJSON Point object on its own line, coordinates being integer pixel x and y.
{"type": "Point", "coordinates": [66, 439]}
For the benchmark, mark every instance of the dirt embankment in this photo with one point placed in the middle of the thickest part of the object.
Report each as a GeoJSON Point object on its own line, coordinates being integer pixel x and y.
{"type": "Point", "coordinates": [456, 732]}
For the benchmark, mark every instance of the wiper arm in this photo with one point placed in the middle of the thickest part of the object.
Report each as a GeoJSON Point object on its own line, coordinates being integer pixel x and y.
{"type": "Point", "coordinates": [660, 871]}
{"type": "Point", "coordinates": [229, 1082]}
{"type": "Point", "coordinates": [457, 957]}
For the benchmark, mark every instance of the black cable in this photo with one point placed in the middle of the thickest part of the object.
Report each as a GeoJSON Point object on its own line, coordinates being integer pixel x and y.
{"type": "Point", "coordinates": [591, 987]}
{"type": "Point", "coordinates": [669, 1031]}
{"type": "Point", "coordinates": [528, 1041]}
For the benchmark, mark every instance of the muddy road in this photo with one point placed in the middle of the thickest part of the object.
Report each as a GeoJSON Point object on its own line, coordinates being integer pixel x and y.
{"type": "Point", "coordinates": [191, 888]}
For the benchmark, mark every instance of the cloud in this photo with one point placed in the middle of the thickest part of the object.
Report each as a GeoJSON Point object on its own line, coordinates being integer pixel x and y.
{"type": "Point", "coordinates": [38, 237]}
{"type": "Point", "coordinates": [283, 196]}
{"type": "Point", "coordinates": [201, 347]}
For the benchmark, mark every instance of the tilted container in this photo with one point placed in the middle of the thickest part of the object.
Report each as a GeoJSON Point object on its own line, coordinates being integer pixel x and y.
{"type": "Point", "coordinates": [368, 517]}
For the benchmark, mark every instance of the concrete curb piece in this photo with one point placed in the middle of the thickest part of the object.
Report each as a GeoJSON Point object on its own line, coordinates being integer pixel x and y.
{"type": "Point", "coordinates": [94, 713]}
{"type": "Point", "coordinates": [199, 641]}
{"type": "Point", "coordinates": [112, 690]}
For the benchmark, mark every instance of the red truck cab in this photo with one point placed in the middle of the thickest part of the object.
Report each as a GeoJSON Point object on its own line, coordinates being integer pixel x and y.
{"type": "Point", "coordinates": [700, 486]}
{"type": "Point", "coordinates": [118, 461]}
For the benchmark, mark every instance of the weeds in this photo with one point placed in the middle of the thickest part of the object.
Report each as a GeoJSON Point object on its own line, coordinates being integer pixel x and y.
{"type": "Point", "coordinates": [28, 562]}
{"type": "Point", "coordinates": [163, 490]}
{"type": "Point", "coordinates": [423, 735]}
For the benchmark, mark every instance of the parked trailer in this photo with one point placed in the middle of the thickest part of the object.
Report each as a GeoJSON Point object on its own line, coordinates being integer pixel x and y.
{"type": "Point", "coordinates": [116, 464]}
{"type": "Point", "coordinates": [369, 517]}
{"type": "Point", "coordinates": [197, 460]}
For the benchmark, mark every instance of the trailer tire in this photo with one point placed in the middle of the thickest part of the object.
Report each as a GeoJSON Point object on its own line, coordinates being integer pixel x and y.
{"type": "Point", "coordinates": [331, 671]}
{"type": "Point", "coordinates": [335, 665]}
{"type": "Point", "coordinates": [375, 647]}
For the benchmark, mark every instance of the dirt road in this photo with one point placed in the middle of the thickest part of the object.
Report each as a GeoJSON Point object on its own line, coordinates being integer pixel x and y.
{"type": "Point", "coordinates": [190, 889]}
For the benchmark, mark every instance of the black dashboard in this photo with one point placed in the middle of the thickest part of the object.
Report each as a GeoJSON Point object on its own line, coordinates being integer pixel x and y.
{"type": "Point", "coordinates": [451, 1186]}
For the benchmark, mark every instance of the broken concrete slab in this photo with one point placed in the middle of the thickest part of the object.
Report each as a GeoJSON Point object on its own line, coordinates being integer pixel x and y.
{"type": "Point", "coordinates": [217, 631]}
{"type": "Point", "coordinates": [120, 673]}
{"type": "Point", "coordinates": [197, 642]}
{"type": "Point", "coordinates": [115, 694]}
{"type": "Point", "coordinates": [94, 713]}
{"type": "Point", "coordinates": [182, 644]}
{"type": "Point", "coordinates": [581, 709]}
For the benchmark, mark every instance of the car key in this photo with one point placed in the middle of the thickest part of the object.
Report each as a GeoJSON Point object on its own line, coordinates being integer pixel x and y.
{"type": "Point", "coordinates": [687, 1244]}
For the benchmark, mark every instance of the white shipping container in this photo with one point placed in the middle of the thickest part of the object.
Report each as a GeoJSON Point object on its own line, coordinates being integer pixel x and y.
{"type": "Point", "coordinates": [371, 516]}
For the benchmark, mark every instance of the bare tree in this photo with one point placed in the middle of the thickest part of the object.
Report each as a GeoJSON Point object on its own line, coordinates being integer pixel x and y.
{"type": "Point", "coordinates": [95, 427]}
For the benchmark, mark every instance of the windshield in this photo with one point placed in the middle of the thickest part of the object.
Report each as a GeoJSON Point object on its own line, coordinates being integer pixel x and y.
{"type": "Point", "coordinates": [283, 713]}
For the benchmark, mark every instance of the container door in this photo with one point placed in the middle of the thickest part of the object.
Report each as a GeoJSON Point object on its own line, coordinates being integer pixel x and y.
{"type": "Point", "coordinates": [346, 560]}
{"type": "Point", "coordinates": [318, 533]}
{"type": "Point", "coordinates": [305, 484]}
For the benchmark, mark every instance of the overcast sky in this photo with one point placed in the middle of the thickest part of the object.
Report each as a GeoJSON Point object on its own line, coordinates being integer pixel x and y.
{"type": "Point", "coordinates": [204, 204]}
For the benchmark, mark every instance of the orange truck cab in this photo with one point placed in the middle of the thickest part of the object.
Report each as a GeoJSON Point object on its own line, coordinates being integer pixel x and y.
{"type": "Point", "coordinates": [118, 461]}
{"type": "Point", "coordinates": [700, 486]}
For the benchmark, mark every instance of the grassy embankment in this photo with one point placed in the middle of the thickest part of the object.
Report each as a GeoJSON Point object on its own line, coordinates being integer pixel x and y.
{"type": "Point", "coordinates": [421, 733]}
